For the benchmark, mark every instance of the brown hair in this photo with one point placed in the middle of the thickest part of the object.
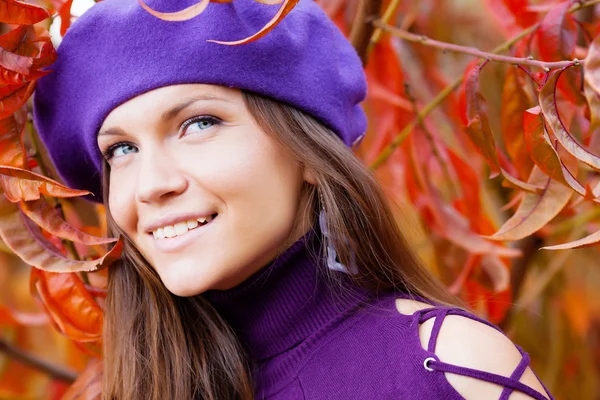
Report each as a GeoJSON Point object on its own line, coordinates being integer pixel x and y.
{"type": "Point", "coordinates": [160, 346]}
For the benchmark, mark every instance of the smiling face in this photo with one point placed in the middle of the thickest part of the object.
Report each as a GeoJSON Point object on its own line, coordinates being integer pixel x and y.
{"type": "Point", "coordinates": [204, 193]}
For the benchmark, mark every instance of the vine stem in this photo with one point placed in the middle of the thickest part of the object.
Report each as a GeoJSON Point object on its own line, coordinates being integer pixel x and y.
{"type": "Point", "coordinates": [441, 96]}
{"type": "Point", "coordinates": [56, 372]}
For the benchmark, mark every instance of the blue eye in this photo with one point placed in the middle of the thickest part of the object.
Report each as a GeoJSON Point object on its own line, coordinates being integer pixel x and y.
{"type": "Point", "coordinates": [202, 123]}
{"type": "Point", "coordinates": [119, 149]}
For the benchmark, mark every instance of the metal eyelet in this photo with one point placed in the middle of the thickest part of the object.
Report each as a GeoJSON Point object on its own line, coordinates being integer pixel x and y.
{"type": "Point", "coordinates": [426, 363]}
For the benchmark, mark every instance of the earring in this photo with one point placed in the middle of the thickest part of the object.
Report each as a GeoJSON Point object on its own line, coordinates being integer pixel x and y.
{"type": "Point", "coordinates": [332, 259]}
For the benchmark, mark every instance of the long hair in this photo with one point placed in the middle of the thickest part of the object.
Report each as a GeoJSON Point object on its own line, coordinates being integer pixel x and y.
{"type": "Point", "coordinates": [160, 346]}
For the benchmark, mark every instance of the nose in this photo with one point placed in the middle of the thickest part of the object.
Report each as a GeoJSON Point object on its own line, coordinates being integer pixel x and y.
{"type": "Point", "coordinates": [159, 177]}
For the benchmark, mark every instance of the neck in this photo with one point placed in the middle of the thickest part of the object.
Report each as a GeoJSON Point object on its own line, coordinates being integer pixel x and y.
{"type": "Point", "coordinates": [287, 301]}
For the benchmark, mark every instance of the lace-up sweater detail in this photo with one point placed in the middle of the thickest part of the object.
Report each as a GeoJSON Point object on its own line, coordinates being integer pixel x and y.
{"type": "Point", "coordinates": [306, 341]}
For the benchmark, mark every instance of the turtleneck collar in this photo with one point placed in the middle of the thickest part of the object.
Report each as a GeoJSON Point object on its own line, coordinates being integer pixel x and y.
{"type": "Point", "coordinates": [286, 301]}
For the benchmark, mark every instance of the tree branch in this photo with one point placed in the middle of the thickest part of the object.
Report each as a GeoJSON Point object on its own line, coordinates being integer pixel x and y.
{"type": "Point", "coordinates": [426, 41]}
{"type": "Point", "coordinates": [56, 372]}
{"type": "Point", "coordinates": [437, 100]}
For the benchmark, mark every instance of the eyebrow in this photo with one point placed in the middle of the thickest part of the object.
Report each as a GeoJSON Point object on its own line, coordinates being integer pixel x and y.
{"type": "Point", "coordinates": [170, 113]}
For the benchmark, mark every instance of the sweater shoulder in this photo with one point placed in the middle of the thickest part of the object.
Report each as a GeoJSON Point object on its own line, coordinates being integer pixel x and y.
{"type": "Point", "coordinates": [390, 352]}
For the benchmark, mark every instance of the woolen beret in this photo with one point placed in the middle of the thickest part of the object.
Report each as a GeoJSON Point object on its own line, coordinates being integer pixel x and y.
{"type": "Point", "coordinates": [117, 50]}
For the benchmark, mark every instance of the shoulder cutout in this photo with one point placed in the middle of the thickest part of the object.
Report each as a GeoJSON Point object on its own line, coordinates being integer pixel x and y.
{"type": "Point", "coordinates": [408, 306]}
{"type": "Point", "coordinates": [469, 343]}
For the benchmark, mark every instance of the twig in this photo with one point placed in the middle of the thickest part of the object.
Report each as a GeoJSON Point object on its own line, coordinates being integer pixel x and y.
{"type": "Point", "coordinates": [362, 28]}
{"type": "Point", "coordinates": [56, 372]}
{"type": "Point", "coordinates": [426, 41]}
{"type": "Point", "coordinates": [387, 14]}
{"type": "Point", "coordinates": [437, 100]}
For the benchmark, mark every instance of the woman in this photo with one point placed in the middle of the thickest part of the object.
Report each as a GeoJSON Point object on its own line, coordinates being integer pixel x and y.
{"type": "Point", "coordinates": [261, 260]}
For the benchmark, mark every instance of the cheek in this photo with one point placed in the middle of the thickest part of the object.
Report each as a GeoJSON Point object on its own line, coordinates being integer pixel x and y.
{"type": "Point", "coordinates": [121, 203]}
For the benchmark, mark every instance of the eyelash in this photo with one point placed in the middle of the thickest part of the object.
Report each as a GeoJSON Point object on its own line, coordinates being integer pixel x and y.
{"type": "Point", "coordinates": [109, 152]}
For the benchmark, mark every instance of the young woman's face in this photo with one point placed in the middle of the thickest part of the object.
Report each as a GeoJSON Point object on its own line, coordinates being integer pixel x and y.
{"type": "Point", "coordinates": [183, 154]}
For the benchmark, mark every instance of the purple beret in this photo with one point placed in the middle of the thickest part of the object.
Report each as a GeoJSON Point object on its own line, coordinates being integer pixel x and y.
{"type": "Point", "coordinates": [117, 50]}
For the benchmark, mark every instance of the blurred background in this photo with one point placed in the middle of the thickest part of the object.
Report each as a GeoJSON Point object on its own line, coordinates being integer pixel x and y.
{"type": "Point", "coordinates": [428, 90]}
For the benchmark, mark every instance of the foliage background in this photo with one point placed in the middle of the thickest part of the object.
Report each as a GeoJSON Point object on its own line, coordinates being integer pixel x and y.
{"type": "Point", "coordinates": [431, 147]}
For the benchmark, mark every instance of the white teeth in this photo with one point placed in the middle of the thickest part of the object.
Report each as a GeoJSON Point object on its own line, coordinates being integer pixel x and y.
{"type": "Point", "coordinates": [192, 224]}
{"type": "Point", "coordinates": [179, 228]}
{"type": "Point", "coordinates": [169, 231]}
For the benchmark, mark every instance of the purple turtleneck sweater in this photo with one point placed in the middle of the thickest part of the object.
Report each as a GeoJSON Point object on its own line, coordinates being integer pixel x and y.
{"type": "Point", "coordinates": [306, 341]}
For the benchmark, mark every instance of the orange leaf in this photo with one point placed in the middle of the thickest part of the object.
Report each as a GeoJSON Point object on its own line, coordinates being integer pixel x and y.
{"type": "Point", "coordinates": [550, 110]}
{"type": "Point", "coordinates": [88, 385]}
{"type": "Point", "coordinates": [183, 15]}
{"type": "Point", "coordinates": [288, 5]}
{"type": "Point", "coordinates": [22, 185]}
{"type": "Point", "coordinates": [49, 219]}
{"type": "Point", "coordinates": [24, 238]}
{"type": "Point", "coordinates": [590, 240]}
{"type": "Point", "coordinates": [15, 100]}
{"type": "Point", "coordinates": [72, 309]}
{"type": "Point", "coordinates": [11, 140]}
{"type": "Point", "coordinates": [14, 317]}
{"type": "Point", "coordinates": [543, 153]}
{"type": "Point", "coordinates": [20, 13]}
{"type": "Point", "coordinates": [535, 211]}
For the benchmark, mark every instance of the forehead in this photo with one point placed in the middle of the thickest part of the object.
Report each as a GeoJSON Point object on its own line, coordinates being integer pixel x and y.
{"type": "Point", "coordinates": [165, 102]}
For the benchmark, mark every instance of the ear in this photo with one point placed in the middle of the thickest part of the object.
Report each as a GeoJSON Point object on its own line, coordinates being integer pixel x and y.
{"type": "Point", "coordinates": [309, 176]}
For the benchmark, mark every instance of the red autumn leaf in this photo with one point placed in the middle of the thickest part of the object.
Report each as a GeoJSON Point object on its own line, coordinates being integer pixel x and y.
{"type": "Point", "coordinates": [21, 13]}
{"type": "Point", "coordinates": [49, 219]}
{"type": "Point", "coordinates": [511, 181]}
{"type": "Point", "coordinates": [15, 62]}
{"type": "Point", "coordinates": [15, 100]}
{"type": "Point", "coordinates": [591, 72]}
{"type": "Point", "coordinates": [479, 130]}
{"type": "Point", "coordinates": [514, 101]}
{"type": "Point", "coordinates": [543, 153]}
{"type": "Point", "coordinates": [23, 185]}
{"type": "Point", "coordinates": [88, 385]}
{"type": "Point", "coordinates": [590, 240]}
{"type": "Point", "coordinates": [288, 5]}
{"type": "Point", "coordinates": [519, 8]}
{"type": "Point", "coordinates": [36, 47]}
{"type": "Point", "coordinates": [478, 127]}
{"type": "Point", "coordinates": [548, 103]}
{"type": "Point", "coordinates": [64, 12]}
{"type": "Point", "coordinates": [535, 211]}
{"type": "Point", "coordinates": [11, 139]}
{"type": "Point", "coordinates": [25, 239]}
{"type": "Point", "coordinates": [73, 311]}
{"type": "Point", "coordinates": [11, 40]}
{"type": "Point", "coordinates": [557, 34]}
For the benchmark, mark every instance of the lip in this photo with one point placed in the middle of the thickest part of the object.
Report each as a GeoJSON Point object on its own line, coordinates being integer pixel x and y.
{"type": "Point", "coordinates": [174, 244]}
{"type": "Point", "coordinates": [173, 219]}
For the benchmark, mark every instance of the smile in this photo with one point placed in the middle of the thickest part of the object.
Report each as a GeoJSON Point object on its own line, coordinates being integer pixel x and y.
{"type": "Point", "coordinates": [181, 228]}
